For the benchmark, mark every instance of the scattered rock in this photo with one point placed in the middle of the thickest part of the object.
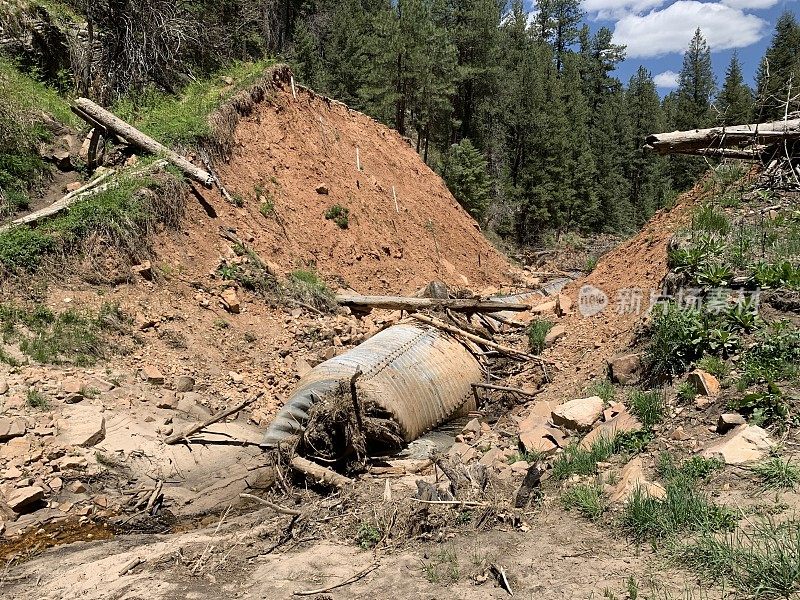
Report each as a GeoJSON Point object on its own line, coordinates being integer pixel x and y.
{"type": "Point", "coordinates": [76, 487]}
{"type": "Point", "coordinates": [143, 322]}
{"type": "Point", "coordinates": [545, 440]}
{"type": "Point", "coordinates": [578, 414]}
{"type": "Point", "coordinates": [86, 427]}
{"type": "Point", "coordinates": [678, 434]}
{"type": "Point", "coordinates": [11, 428]}
{"type": "Point", "coordinates": [230, 301]}
{"type": "Point", "coordinates": [302, 367]}
{"type": "Point", "coordinates": [72, 186]}
{"type": "Point", "coordinates": [704, 383]}
{"type": "Point", "coordinates": [556, 333]}
{"type": "Point", "coordinates": [630, 477]}
{"type": "Point", "coordinates": [100, 385]}
{"type": "Point", "coordinates": [3, 387]}
{"type": "Point", "coordinates": [544, 307]}
{"type": "Point", "coordinates": [144, 270]}
{"type": "Point", "coordinates": [62, 160]}
{"type": "Point", "coordinates": [743, 444]}
{"type": "Point", "coordinates": [167, 401]}
{"type": "Point", "coordinates": [152, 375]}
{"type": "Point", "coordinates": [72, 386]}
{"type": "Point", "coordinates": [728, 421]}
{"type": "Point", "coordinates": [621, 423]}
{"type": "Point", "coordinates": [626, 369]}
{"type": "Point", "coordinates": [184, 383]}
{"type": "Point", "coordinates": [73, 398]}
{"type": "Point", "coordinates": [322, 189]}
{"type": "Point", "coordinates": [473, 426]}
{"type": "Point", "coordinates": [23, 497]}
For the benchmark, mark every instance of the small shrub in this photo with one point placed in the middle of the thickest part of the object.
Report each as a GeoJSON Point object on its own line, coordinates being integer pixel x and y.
{"type": "Point", "coordinates": [35, 399]}
{"type": "Point", "coordinates": [649, 407]}
{"type": "Point", "coordinates": [307, 287]}
{"type": "Point", "coordinates": [686, 393]}
{"type": "Point", "coordinates": [695, 468]}
{"type": "Point", "coordinates": [368, 535]}
{"type": "Point", "coordinates": [768, 407]}
{"type": "Point", "coordinates": [267, 208]}
{"type": "Point", "coordinates": [238, 200]}
{"type": "Point", "coordinates": [709, 219]}
{"type": "Point", "coordinates": [339, 215]}
{"type": "Point", "coordinates": [774, 357]}
{"type": "Point", "coordinates": [777, 473]}
{"type": "Point", "coordinates": [677, 338]}
{"type": "Point", "coordinates": [537, 332]}
{"type": "Point", "coordinates": [590, 264]}
{"type": "Point", "coordinates": [588, 499]}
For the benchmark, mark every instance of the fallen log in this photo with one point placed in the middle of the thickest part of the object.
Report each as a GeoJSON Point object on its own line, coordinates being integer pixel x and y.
{"type": "Point", "coordinates": [95, 115]}
{"type": "Point", "coordinates": [508, 350]}
{"type": "Point", "coordinates": [753, 153]}
{"type": "Point", "coordinates": [177, 437]}
{"type": "Point", "coordinates": [62, 203]}
{"type": "Point", "coordinates": [503, 388]}
{"type": "Point", "coordinates": [723, 137]}
{"type": "Point", "coordinates": [414, 304]}
{"type": "Point", "coordinates": [319, 473]}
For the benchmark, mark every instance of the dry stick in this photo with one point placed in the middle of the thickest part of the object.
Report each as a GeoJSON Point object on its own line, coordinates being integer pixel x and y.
{"type": "Point", "coordinates": [348, 581]}
{"type": "Point", "coordinates": [501, 575]}
{"type": "Point", "coordinates": [394, 195]}
{"type": "Point", "coordinates": [154, 495]}
{"type": "Point", "coordinates": [294, 91]}
{"type": "Point", "coordinates": [218, 417]}
{"type": "Point", "coordinates": [276, 507]}
{"type": "Point", "coordinates": [412, 304]}
{"type": "Point", "coordinates": [358, 159]}
{"type": "Point", "coordinates": [319, 472]}
{"type": "Point", "coordinates": [499, 347]}
{"type": "Point", "coordinates": [503, 388]}
{"type": "Point", "coordinates": [60, 204]}
{"type": "Point", "coordinates": [354, 396]}
{"type": "Point", "coordinates": [508, 322]}
{"type": "Point", "coordinates": [130, 566]}
{"type": "Point", "coordinates": [464, 503]}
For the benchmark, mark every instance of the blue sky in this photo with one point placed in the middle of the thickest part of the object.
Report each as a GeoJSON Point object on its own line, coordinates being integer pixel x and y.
{"type": "Point", "coordinates": [657, 32]}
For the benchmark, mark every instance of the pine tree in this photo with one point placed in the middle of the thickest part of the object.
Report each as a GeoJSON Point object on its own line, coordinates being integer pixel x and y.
{"type": "Point", "coordinates": [692, 108]}
{"type": "Point", "coordinates": [646, 173]}
{"type": "Point", "coordinates": [558, 22]}
{"type": "Point", "coordinates": [305, 55]}
{"type": "Point", "coordinates": [778, 76]}
{"type": "Point", "coordinates": [465, 172]}
{"type": "Point", "coordinates": [735, 100]}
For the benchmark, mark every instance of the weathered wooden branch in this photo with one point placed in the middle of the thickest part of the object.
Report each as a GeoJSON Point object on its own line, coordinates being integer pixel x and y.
{"type": "Point", "coordinates": [61, 204]}
{"type": "Point", "coordinates": [753, 153]}
{"type": "Point", "coordinates": [503, 388]}
{"type": "Point", "coordinates": [319, 473]}
{"type": "Point", "coordinates": [414, 304]}
{"type": "Point", "coordinates": [276, 507]}
{"type": "Point", "coordinates": [98, 115]}
{"type": "Point", "coordinates": [475, 338]}
{"type": "Point", "coordinates": [723, 137]}
{"type": "Point", "coordinates": [347, 581]}
{"type": "Point", "coordinates": [177, 437]}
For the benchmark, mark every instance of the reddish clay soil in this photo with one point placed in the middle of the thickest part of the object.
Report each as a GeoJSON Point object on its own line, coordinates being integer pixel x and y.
{"type": "Point", "coordinates": [286, 148]}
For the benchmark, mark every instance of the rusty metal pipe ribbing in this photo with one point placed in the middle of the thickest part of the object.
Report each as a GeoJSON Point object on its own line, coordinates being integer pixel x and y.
{"type": "Point", "coordinates": [421, 376]}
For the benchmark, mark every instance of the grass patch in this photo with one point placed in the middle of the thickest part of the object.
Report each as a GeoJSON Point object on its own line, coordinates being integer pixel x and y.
{"type": "Point", "coordinates": [694, 468]}
{"type": "Point", "coordinates": [183, 120]}
{"type": "Point", "coordinates": [714, 365]}
{"type": "Point", "coordinates": [685, 393]}
{"type": "Point", "coordinates": [684, 509]}
{"type": "Point", "coordinates": [710, 219]}
{"type": "Point", "coordinates": [603, 388]}
{"type": "Point", "coordinates": [774, 357]}
{"type": "Point", "coordinates": [537, 332]}
{"type": "Point", "coordinates": [309, 288]}
{"type": "Point", "coordinates": [575, 460]}
{"type": "Point", "coordinates": [761, 563]}
{"type": "Point", "coordinates": [442, 566]}
{"type": "Point", "coordinates": [675, 340]}
{"type": "Point", "coordinates": [587, 499]}
{"type": "Point", "coordinates": [339, 215]}
{"type": "Point", "coordinates": [70, 337]}
{"type": "Point", "coordinates": [35, 399]}
{"type": "Point", "coordinates": [775, 473]}
{"type": "Point", "coordinates": [649, 407]}
{"type": "Point", "coordinates": [768, 407]}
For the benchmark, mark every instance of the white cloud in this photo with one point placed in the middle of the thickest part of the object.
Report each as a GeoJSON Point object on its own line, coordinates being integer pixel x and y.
{"type": "Point", "coordinates": [665, 31]}
{"type": "Point", "coordinates": [667, 79]}
{"type": "Point", "coordinates": [754, 4]}
{"type": "Point", "coordinates": [614, 9]}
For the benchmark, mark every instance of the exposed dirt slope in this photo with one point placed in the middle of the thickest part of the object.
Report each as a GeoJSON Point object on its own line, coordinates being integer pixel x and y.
{"type": "Point", "coordinates": [286, 148]}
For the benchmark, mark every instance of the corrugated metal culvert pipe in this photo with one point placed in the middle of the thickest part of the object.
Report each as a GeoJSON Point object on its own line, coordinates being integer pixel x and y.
{"type": "Point", "coordinates": [420, 376]}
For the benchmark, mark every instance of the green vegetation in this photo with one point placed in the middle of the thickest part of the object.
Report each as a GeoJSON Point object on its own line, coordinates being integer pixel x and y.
{"type": "Point", "coordinates": [762, 562]}
{"type": "Point", "coordinates": [685, 393]}
{"type": "Point", "coordinates": [368, 535]}
{"type": "Point", "coordinates": [587, 499]}
{"type": "Point", "coordinates": [69, 337]}
{"type": "Point", "coordinates": [531, 457]}
{"type": "Point", "coordinates": [684, 509]}
{"type": "Point", "coordinates": [309, 288]}
{"type": "Point", "coordinates": [442, 566]}
{"type": "Point", "coordinates": [768, 407]}
{"type": "Point", "coordinates": [339, 215]}
{"type": "Point", "coordinates": [537, 332]}
{"type": "Point", "coordinates": [183, 119]}
{"type": "Point", "coordinates": [714, 365]}
{"type": "Point", "coordinates": [575, 460]}
{"type": "Point", "coordinates": [649, 407]}
{"type": "Point", "coordinates": [694, 468]}
{"type": "Point", "coordinates": [774, 356]}
{"type": "Point", "coordinates": [124, 215]}
{"type": "Point", "coordinates": [35, 399]}
{"type": "Point", "coordinates": [602, 388]}
{"type": "Point", "coordinates": [466, 173]}
{"type": "Point", "coordinates": [778, 473]}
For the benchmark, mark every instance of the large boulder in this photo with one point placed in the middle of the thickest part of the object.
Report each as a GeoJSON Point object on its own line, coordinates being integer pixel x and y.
{"type": "Point", "coordinates": [578, 414]}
